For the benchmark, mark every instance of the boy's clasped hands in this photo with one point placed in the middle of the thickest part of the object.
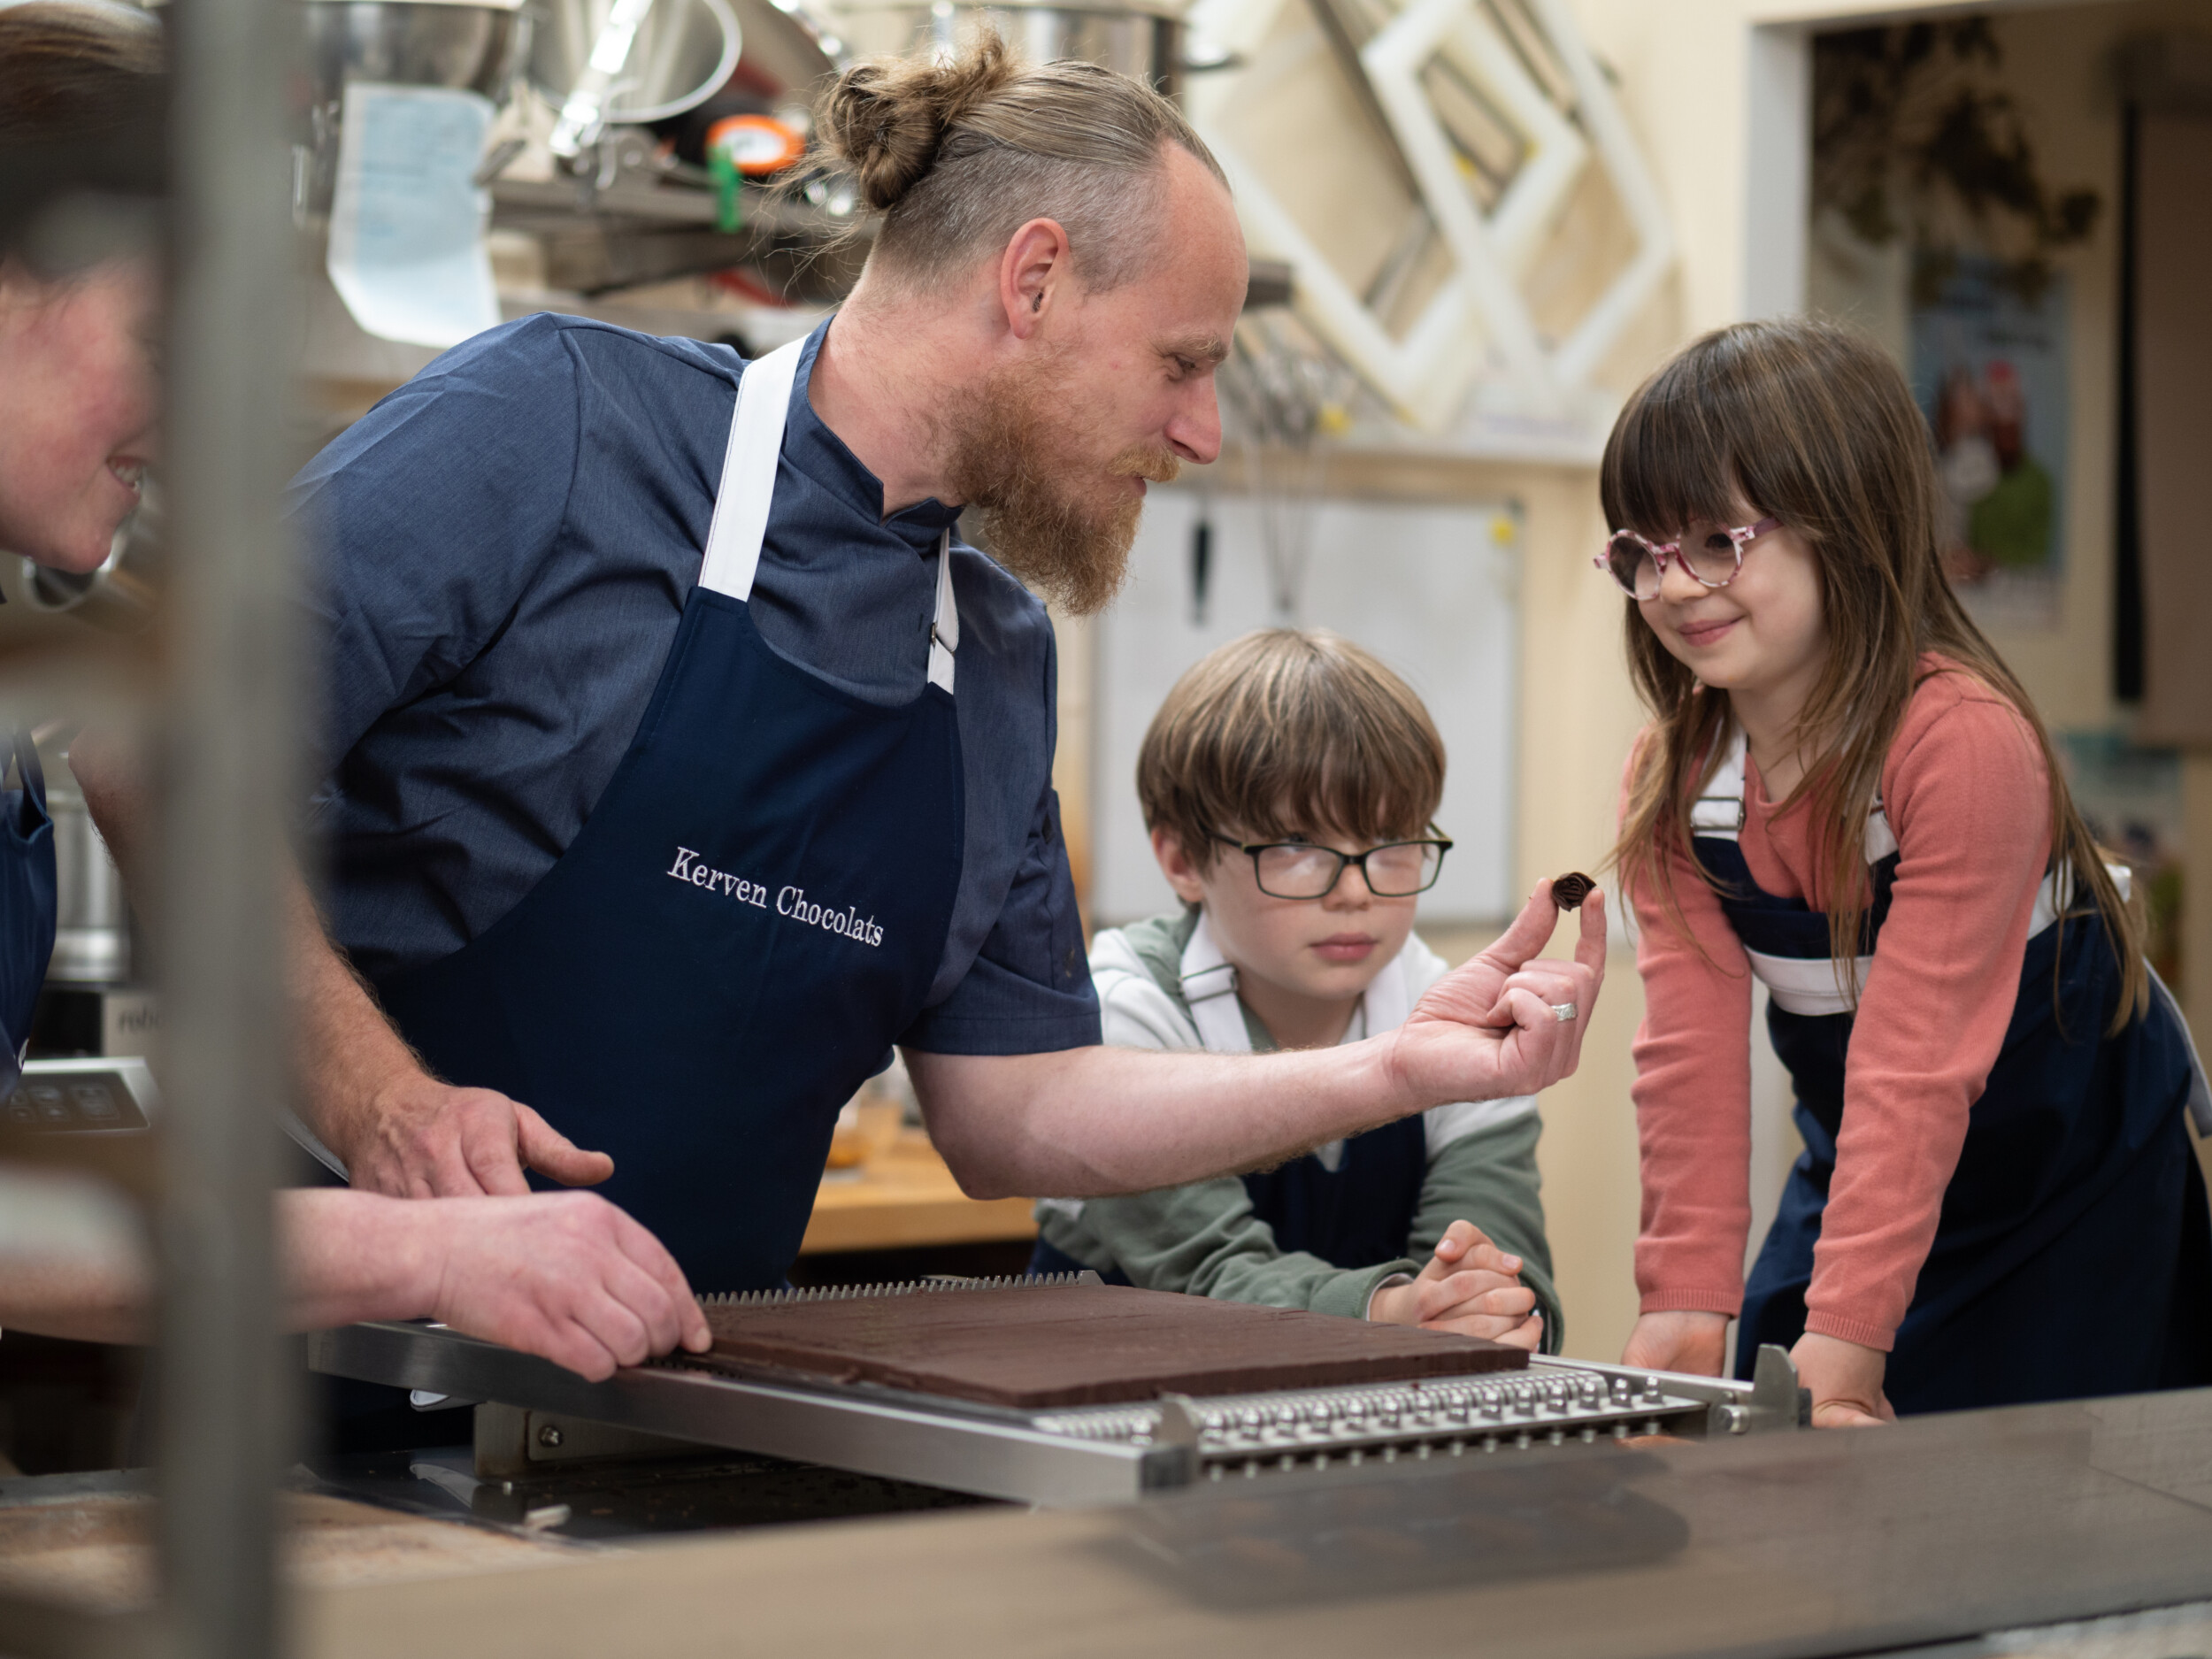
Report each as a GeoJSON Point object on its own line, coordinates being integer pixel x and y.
{"type": "Point", "coordinates": [1471, 1287]}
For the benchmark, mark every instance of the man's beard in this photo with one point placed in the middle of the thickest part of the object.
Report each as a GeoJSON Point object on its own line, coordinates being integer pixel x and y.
{"type": "Point", "coordinates": [1025, 461]}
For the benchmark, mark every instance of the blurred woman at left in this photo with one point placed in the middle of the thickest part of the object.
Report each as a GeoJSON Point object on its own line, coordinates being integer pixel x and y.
{"type": "Point", "coordinates": [564, 1275]}
{"type": "Point", "coordinates": [81, 121]}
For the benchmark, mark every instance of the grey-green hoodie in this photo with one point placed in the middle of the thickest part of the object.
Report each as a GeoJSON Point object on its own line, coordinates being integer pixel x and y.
{"type": "Point", "coordinates": [1203, 1237]}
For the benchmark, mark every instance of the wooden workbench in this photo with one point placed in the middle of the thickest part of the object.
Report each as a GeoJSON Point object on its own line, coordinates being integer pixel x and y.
{"type": "Point", "coordinates": [904, 1198]}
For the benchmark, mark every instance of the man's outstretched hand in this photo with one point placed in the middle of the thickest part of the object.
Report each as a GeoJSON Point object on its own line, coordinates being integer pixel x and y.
{"type": "Point", "coordinates": [428, 1139]}
{"type": "Point", "coordinates": [1487, 1029]}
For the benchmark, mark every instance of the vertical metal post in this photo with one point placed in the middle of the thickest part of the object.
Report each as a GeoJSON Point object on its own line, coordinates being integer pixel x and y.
{"type": "Point", "coordinates": [225, 1413]}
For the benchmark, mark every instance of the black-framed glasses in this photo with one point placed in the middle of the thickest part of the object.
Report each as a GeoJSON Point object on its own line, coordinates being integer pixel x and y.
{"type": "Point", "coordinates": [1300, 870]}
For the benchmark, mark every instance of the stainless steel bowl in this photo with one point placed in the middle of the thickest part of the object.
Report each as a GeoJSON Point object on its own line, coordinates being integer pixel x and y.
{"type": "Point", "coordinates": [401, 43]}
{"type": "Point", "coordinates": [92, 938]}
{"type": "Point", "coordinates": [683, 52]}
{"type": "Point", "coordinates": [398, 43]}
{"type": "Point", "coordinates": [1145, 42]}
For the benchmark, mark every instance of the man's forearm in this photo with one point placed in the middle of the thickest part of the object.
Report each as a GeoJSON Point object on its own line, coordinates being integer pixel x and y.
{"type": "Point", "coordinates": [1085, 1122]}
{"type": "Point", "coordinates": [345, 1255]}
{"type": "Point", "coordinates": [350, 1256]}
{"type": "Point", "coordinates": [88, 1301]}
{"type": "Point", "coordinates": [348, 1054]}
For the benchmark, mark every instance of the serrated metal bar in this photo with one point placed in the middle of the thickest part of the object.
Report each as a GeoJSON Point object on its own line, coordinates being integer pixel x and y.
{"type": "Point", "coordinates": [933, 1285]}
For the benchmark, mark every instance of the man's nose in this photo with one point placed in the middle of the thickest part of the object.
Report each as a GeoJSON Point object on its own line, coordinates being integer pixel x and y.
{"type": "Point", "coordinates": [1195, 432]}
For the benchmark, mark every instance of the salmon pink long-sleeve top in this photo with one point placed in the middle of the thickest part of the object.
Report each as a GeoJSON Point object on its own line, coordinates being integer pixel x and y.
{"type": "Point", "coordinates": [1967, 794]}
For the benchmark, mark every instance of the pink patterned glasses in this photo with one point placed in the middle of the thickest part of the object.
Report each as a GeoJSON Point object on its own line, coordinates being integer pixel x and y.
{"type": "Point", "coordinates": [1640, 566]}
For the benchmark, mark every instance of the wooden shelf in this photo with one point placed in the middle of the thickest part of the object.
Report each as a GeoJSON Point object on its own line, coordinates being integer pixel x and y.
{"type": "Point", "coordinates": [905, 1197]}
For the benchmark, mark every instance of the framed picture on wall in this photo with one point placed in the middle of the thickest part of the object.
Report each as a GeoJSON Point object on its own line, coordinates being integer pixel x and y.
{"type": "Point", "coordinates": [1989, 369]}
{"type": "Point", "coordinates": [2131, 798]}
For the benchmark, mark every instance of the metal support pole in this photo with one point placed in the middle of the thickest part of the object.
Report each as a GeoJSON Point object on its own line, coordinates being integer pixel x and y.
{"type": "Point", "coordinates": [228, 750]}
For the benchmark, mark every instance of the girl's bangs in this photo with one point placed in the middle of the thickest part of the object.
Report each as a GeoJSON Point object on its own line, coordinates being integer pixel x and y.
{"type": "Point", "coordinates": [1670, 463]}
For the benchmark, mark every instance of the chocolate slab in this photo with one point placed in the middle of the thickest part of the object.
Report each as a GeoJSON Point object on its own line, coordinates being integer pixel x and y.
{"type": "Point", "coordinates": [1085, 1345]}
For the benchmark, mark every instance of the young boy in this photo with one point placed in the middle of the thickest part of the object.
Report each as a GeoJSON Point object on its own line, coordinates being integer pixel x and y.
{"type": "Point", "coordinates": [1288, 783]}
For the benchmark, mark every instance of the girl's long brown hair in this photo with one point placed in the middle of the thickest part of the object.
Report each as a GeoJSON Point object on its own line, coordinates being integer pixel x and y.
{"type": "Point", "coordinates": [1812, 423]}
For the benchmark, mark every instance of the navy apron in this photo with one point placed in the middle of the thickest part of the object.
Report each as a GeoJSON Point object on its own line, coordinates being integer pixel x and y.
{"type": "Point", "coordinates": [28, 905]}
{"type": "Point", "coordinates": [2073, 1253]}
{"type": "Point", "coordinates": [1353, 1202]}
{"type": "Point", "coordinates": [750, 918]}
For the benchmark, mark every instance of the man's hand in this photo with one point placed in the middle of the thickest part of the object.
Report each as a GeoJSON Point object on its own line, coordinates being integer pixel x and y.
{"type": "Point", "coordinates": [564, 1275]}
{"type": "Point", "coordinates": [1469, 1286]}
{"type": "Point", "coordinates": [399, 1130]}
{"type": "Point", "coordinates": [1684, 1340]}
{"type": "Point", "coordinates": [423, 1138]}
{"type": "Point", "coordinates": [1846, 1380]}
{"type": "Point", "coordinates": [1090, 1121]}
{"type": "Point", "coordinates": [1487, 1029]}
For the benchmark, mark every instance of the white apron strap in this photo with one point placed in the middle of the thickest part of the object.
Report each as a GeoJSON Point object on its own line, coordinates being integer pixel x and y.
{"type": "Point", "coordinates": [1389, 998]}
{"type": "Point", "coordinates": [1210, 985]}
{"type": "Point", "coordinates": [1719, 811]}
{"type": "Point", "coordinates": [749, 486]}
{"type": "Point", "coordinates": [944, 629]}
{"type": "Point", "coordinates": [748, 472]}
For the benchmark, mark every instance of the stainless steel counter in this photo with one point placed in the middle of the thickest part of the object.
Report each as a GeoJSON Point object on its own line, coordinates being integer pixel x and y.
{"type": "Point", "coordinates": [1942, 1530]}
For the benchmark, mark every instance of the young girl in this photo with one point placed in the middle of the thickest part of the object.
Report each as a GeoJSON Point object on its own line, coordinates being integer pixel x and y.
{"type": "Point", "coordinates": [1845, 793]}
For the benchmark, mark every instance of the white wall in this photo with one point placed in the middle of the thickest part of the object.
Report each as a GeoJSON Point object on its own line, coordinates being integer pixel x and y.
{"type": "Point", "coordinates": [1455, 643]}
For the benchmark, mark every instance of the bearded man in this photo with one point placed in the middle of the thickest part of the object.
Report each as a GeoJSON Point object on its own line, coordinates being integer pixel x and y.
{"type": "Point", "coordinates": [678, 760]}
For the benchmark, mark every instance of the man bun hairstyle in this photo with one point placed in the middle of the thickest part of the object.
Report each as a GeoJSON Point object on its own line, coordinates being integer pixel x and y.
{"type": "Point", "coordinates": [1289, 731]}
{"type": "Point", "coordinates": [958, 153]}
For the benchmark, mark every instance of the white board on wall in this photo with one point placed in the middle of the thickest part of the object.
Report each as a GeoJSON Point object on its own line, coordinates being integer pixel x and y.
{"type": "Point", "coordinates": [1427, 589]}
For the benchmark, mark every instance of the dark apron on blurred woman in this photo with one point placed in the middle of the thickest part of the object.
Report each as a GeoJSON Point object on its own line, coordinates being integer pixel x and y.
{"type": "Point", "coordinates": [27, 903]}
{"type": "Point", "coordinates": [2073, 1255]}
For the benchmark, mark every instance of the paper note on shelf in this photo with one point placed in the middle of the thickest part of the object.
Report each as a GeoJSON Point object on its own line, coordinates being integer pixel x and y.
{"type": "Point", "coordinates": [407, 223]}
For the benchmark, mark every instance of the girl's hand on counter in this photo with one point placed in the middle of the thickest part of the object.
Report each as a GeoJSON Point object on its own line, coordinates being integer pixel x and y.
{"type": "Point", "coordinates": [1470, 1286]}
{"type": "Point", "coordinates": [1683, 1340]}
{"type": "Point", "coordinates": [1845, 1378]}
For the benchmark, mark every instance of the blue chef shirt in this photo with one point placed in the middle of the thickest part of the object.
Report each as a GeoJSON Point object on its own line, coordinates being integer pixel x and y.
{"type": "Point", "coordinates": [504, 545]}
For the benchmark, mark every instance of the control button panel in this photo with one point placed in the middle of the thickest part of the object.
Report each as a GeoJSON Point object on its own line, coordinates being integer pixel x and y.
{"type": "Point", "coordinates": [74, 1100]}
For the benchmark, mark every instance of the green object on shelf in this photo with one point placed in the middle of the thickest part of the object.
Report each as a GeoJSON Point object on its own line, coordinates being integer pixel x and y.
{"type": "Point", "coordinates": [729, 202]}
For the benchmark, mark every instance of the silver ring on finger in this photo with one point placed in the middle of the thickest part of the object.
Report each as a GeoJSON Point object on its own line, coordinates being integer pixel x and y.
{"type": "Point", "coordinates": [1563, 1011]}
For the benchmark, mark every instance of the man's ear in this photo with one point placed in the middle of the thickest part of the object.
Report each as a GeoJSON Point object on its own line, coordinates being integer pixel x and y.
{"type": "Point", "coordinates": [1176, 863]}
{"type": "Point", "coordinates": [1032, 272]}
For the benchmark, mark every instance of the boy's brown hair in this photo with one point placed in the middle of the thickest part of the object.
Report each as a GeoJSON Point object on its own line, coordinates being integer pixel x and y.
{"type": "Point", "coordinates": [1289, 731]}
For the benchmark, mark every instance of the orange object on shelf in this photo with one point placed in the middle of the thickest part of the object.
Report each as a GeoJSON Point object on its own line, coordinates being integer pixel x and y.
{"type": "Point", "coordinates": [903, 1197]}
{"type": "Point", "coordinates": [757, 145]}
